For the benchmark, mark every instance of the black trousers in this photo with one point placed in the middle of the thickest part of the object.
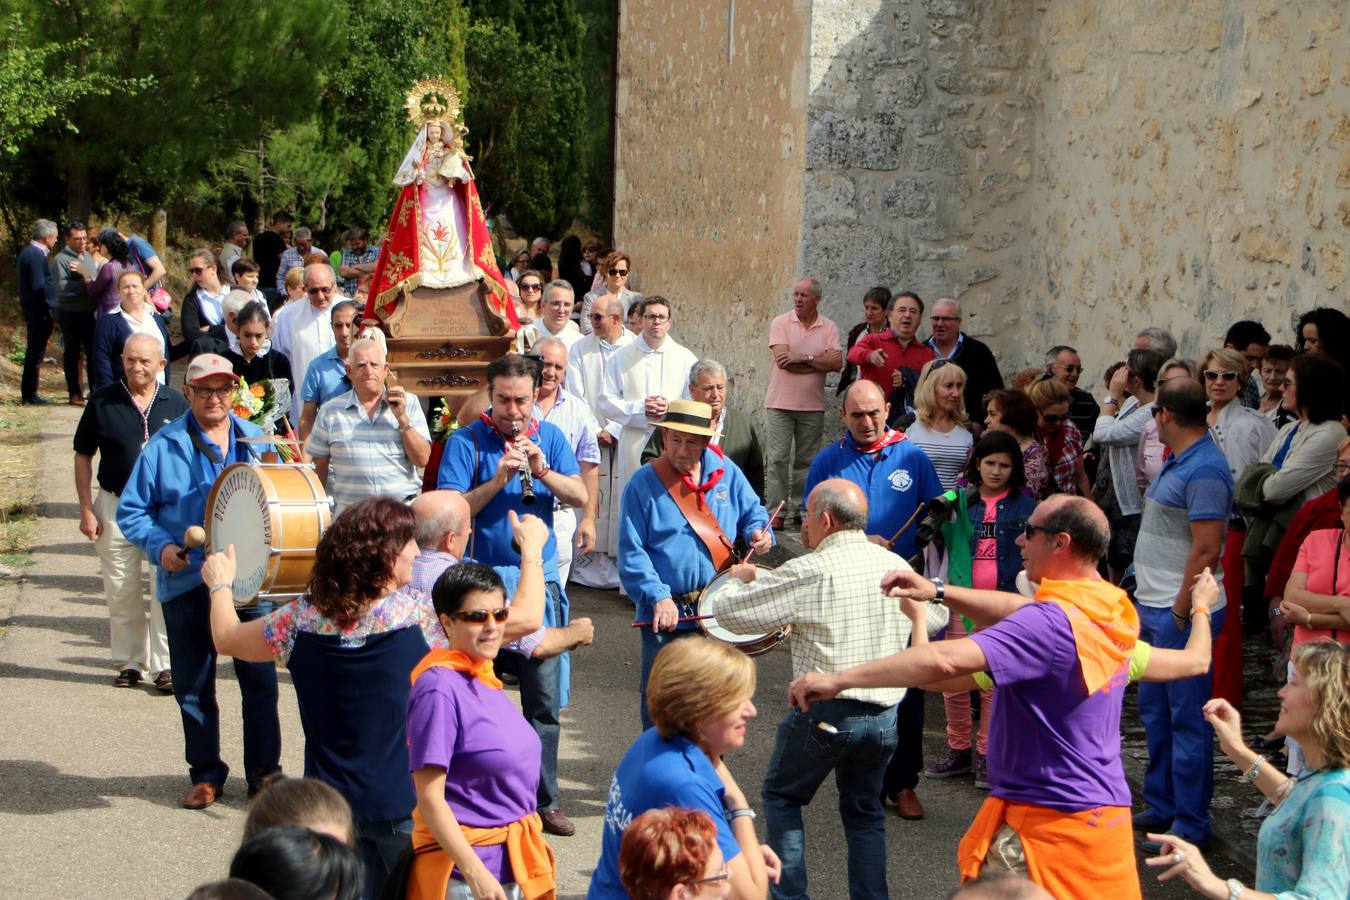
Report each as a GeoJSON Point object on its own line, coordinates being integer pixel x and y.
{"type": "Point", "coordinates": [77, 333]}
{"type": "Point", "coordinates": [39, 323]}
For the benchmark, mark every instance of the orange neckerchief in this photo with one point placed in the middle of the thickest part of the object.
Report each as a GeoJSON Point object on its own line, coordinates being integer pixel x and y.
{"type": "Point", "coordinates": [1089, 853]}
{"type": "Point", "coordinates": [533, 864]}
{"type": "Point", "coordinates": [1104, 622]}
{"type": "Point", "coordinates": [460, 662]}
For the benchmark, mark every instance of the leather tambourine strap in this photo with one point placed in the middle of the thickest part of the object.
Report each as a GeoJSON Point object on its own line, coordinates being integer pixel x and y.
{"type": "Point", "coordinates": [696, 514]}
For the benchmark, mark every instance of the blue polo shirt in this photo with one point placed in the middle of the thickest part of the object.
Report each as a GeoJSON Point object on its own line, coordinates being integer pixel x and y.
{"type": "Point", "coordinates": [656, 773]}
{"type": "Point", "coordinates": [896, 480]}
{"type": "Point", "coordinates": [1193, 486]}
{"type": "Point", "coordinates": [325, 378]}
{"type": "Point", "coordinates": [479, 443]}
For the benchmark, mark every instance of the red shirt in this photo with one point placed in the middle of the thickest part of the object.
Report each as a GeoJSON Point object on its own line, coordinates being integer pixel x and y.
{"type": "Point", "coordinates": [912, 357]}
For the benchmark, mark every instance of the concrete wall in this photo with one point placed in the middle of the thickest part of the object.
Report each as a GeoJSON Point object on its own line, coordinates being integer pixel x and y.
{"type": "Point", "coordinates": [1193, 168]}
{"type": "Point", "coordinates": [1071, 170]}
{"type": "Point", "coordinates": [711, 114]}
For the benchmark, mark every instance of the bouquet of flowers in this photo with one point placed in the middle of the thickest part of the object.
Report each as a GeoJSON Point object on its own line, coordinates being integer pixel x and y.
{"type": "Point", "coordinates": [265, 404]}
{"type": "Point", "coordinates": [443, 422]}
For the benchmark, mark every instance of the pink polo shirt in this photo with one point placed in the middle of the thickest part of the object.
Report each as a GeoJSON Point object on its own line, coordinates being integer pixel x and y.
{"type": "Point", "coordinates": [1317, 560]}
{"type": "Point", "coordinates": [804, 392]}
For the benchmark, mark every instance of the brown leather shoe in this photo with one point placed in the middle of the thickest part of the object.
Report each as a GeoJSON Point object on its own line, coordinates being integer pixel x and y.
{"type": "Point", "coordinates": [203, 795]}
{"type": "Point", "coordinates": [557, 823]}
{"type": "Point", "coordinates": [908, 806]}
{"type": "Point", "coordinates": [76, 400]}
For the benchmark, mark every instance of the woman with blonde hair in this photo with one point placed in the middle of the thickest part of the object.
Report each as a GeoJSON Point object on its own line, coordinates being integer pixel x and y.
{"type": "Point", "coordinates": [1062, 439]}
{"type": "Point", "coordinates": [699, 699]}
{"type": "Point", "coordinates": [1304, 846]}
{"type": "Point", "coordinates": [1243, 434]}
{"type": "Point", "coordinates": [940, 409]}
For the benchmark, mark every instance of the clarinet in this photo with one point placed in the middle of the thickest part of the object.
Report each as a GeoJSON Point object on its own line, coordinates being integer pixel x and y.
{"type": "Point", "coordinates": [526, 479]}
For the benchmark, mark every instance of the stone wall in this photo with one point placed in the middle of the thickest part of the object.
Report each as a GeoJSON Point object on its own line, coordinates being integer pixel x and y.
{"type": "Point", "coordinates": [711, 114]}
{"type": "Point", "coordinates": [1192, 168]}
{"type": "Point", "coordinates": [1069, 169]}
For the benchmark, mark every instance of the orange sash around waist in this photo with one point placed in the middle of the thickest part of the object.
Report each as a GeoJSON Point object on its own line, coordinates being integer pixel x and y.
{"type": "Point", "coordinates": [1083, 854]}
{"type": "Point", "coordinates": [533, 865]}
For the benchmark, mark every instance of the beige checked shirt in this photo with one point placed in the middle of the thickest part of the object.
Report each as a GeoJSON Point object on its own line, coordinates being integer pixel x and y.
{"type": "Point", "coordinates": [832, 598]}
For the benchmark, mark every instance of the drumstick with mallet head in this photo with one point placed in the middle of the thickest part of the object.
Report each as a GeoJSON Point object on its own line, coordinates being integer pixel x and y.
{"type": "Point", "coordinates": [776, 511]}
{"type": "Point", "coordinates": [195, 536]}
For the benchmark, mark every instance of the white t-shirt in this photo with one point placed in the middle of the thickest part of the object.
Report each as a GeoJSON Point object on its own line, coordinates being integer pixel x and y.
{"type": "Point", "coordinates": [948, 452]}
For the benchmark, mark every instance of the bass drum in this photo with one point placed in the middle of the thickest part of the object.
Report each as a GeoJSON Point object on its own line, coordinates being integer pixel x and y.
{"type": "Point", "coordinates": [273, 514]}
{"type": "Point", "coordinates": [749, 644]}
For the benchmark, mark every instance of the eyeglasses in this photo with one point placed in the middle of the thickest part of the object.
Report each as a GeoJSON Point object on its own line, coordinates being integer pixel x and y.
{"type": "Point", "coordinates": [319, 290]}
{"type": "Point", "coordinates": [479, 616]}
{"type": "Point", "coordinates": [196, 270]}
{"type": "Point", "coordinates": [1029, 530]}
{"type": "Point", "coordinates": [1215, 375]}
{"type": "Point", "coordinates": [1342, 468]}
{"type": "Point", "coordinates": [599, 317]}
{"type": "Point", "coordinates": [723, 875]}
{"type": "Point", "coordinates": [1071, 369]}
{"type": "Point", "coordinates": [1157, 411]}
{"type": "Point", "coordinates": [213, 393]}
{"type": "Point", "coordinates": [531, 288]}
{"type": "Point", "coordinates": [936, 319]}
{"type": "Point", "coordinates": [1052, 419]}
{"type": "Point", "coordinates": [655, 317]}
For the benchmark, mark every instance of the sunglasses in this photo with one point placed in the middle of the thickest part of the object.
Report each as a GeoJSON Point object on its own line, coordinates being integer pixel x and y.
{"type": "Point", "coordinates": [479, 616]}
{"type": "Point", "coordinates": [618, 271]}
{"type": "Point", "coordinates": [1029, 530]}
{"type": "Point", "coordinates": [531, 287]}
{"type": "Point", "coordinates": [211, 393]}
{"type": "Point", "coordinates": [1052, 419]}
{"type": "Point", "coordinates": [724, 875]}
{"type": "Point", "coordinates": [319, 290]}
{"type": "Point", "coordinates": [196, 270]}
{"type": "Point", "coordinates": [1215, 375]}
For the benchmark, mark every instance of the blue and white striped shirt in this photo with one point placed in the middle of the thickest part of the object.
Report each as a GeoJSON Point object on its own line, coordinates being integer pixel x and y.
{"type": "Point", "coordinates": [366, 455]}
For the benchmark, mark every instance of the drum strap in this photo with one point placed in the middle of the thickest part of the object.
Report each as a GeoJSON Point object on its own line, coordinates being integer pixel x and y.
{"type": "Point", "coordinates": [699, 517]}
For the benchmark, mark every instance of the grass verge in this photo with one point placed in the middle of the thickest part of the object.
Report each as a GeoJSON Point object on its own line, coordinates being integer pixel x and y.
{"type": "Point", "coordinates": [19, 460]}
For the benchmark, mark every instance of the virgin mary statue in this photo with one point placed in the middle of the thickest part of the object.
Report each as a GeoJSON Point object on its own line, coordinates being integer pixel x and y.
{"type": "Point", "coordinates": [437, 237]}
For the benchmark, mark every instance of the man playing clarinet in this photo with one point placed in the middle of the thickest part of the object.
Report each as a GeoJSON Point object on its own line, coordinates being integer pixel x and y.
{"type": "Point", "coordinates": [503, 461]}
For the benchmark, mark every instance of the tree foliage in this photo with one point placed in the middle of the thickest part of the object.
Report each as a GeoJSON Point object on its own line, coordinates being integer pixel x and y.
{"type": "Point", "coordinates": [124, 107]}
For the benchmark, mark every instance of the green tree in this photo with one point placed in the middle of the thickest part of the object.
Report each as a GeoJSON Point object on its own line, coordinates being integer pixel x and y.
{"type": "Point", "coordinates": [215, 77]}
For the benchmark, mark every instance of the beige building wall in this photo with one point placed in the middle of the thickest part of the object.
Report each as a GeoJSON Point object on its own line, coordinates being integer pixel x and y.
{"type": "Point", "coordinates": [1070, 170]}
{"type": "Point", "coordinates": [710, 119]}
{"type": "Point", "coordinates": [1193, 168]}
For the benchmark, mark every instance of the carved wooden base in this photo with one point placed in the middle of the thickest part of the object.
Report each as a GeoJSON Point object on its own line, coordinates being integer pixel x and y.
{"type": "Point", "coordinates": [441, 340]}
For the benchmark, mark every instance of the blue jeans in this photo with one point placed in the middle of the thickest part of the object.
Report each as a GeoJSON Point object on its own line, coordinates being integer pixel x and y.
{"type": "Point", "coordinates": [187, 619]}
{"type": "Point", "coordinates": [652, 642]}
{"type": "Point", "coordinates": [903, 771]}
{"type": "Point", "coordinates": [1179, 780]}
{"type": "Point", "coordinates": [803, 755]}
{"type": "Point", "coordinates": [541, 703]}
{"type": "Point", "coordinates": [381, 844]}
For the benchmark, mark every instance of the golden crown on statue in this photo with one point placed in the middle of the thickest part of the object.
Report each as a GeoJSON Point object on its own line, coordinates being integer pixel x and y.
{"type": "Point", "coordinates": [433, 100]}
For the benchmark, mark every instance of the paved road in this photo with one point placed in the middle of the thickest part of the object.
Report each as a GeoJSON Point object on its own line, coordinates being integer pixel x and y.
{"type": "Point", "coordinates": [91, 776]}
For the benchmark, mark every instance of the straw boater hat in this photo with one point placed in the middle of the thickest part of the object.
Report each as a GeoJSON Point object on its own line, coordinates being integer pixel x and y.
{"type": "Point", "coordinates": [689, 416]}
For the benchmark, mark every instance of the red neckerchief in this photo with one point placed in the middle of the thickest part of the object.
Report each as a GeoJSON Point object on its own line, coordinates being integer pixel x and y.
{"type": "Point", "coordinates": [701, 490]}
{"type": "Point", "coordinates": [506, 438]}
{"type": "Point", "coordinates": [881, 443]}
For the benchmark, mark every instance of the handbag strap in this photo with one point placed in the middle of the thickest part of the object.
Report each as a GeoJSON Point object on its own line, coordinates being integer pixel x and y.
{"type": "Point", "coordinates": [1335, 577]}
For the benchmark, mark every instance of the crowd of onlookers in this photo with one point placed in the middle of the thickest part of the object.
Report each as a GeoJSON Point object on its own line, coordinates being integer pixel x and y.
{"type": "Point", "coordinates": [1229, 457]}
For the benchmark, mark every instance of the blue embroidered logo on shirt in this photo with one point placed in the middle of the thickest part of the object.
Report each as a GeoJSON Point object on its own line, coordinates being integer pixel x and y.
{"type": "Point", "coordinates": [900, 480]}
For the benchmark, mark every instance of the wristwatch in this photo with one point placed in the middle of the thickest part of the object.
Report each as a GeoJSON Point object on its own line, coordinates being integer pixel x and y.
{"type": "Point", "coordinates": [810, 358]}
{"type": "Point", "coordinates": [1235, 889]}
{"type": "Point", "coordinates": [941, 590]}
{"type": "Point", "coordinates": [1274, 612]}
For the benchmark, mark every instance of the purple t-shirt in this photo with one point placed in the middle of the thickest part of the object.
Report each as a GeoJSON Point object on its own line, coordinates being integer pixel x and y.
{"type": "Point", "coordinates": [488, 750]}
{"type": "Point", "coordinates": [1049, 745]}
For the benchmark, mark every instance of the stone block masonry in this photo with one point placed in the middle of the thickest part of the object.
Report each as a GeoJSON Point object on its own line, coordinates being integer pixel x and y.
{"type": "Point", "coordinates": [1069, 170]}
